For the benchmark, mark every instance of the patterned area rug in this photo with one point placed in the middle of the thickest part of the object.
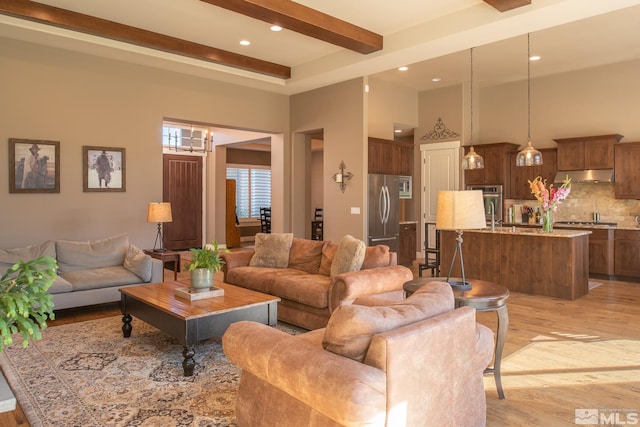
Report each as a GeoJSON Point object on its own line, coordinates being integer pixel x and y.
{"type": "Point", "coordinates": [87, 374]}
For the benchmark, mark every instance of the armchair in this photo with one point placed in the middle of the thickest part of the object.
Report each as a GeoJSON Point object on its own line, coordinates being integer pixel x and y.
{"type": "Point", "coordinates": [414, 363]}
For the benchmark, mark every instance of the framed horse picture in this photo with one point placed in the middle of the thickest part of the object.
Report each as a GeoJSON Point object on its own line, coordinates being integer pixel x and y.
{"type": "Point", "coordinates": [103, 169]}
{"type": "Point", "coordinates": [34, 166]}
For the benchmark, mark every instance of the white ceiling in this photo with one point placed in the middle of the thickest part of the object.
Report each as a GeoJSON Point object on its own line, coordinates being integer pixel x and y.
{"type": "Point", "coordinates": [433, 37]}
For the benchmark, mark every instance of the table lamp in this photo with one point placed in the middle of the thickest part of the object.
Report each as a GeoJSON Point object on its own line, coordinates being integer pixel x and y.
{"type": "Point", "coordinates": [458, 210]}
{"type": "Point", "coordinates": [159, 212]}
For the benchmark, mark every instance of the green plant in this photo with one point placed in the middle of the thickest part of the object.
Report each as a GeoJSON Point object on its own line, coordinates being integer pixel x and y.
{"type": "Point", "coordinates": [25, 303]}
{"type": "Point", "coordinates": [206, 257]}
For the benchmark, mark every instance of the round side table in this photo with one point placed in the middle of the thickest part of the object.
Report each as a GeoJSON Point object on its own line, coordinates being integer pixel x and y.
{"type": "Point", "coordinates": [483, 296]}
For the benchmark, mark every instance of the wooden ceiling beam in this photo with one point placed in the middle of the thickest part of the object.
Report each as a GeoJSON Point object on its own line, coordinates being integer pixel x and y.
{"type": "Point", "coordinates": [75, 21]}
{"type": "Point", "coordinates": [505, 5]}
{"type": "Point", "coordinates": [304, 20]}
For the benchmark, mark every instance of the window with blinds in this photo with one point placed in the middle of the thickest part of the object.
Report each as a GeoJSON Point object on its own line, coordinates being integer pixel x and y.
{"type": "Point", "coordinates": [253, 189]}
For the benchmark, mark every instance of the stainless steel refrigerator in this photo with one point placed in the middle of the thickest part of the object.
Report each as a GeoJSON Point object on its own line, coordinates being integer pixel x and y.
{"type": "Point", "coordinates": [384, 211]}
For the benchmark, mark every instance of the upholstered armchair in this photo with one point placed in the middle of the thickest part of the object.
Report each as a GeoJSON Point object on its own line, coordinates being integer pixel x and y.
{"type": "Point", "coordinates": [419, 362]}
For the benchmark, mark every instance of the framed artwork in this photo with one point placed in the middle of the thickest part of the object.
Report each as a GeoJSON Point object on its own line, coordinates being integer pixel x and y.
{"type": "Point", "coordinates": [103, 169]}
{"type": "Point", "coordinates": [34, 166]}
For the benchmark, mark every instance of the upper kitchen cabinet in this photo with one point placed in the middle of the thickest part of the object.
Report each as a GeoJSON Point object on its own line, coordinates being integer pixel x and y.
{"type": "Point", "coordinates": [627, 159]}
{"type": "Point", "coordinates": [586, 152]}
{"type": "Point", "coordinates": [496, 168]}
{"type": "Point", "coordinates": [390, 157]}
{"type": "Point", "coordinates": [521, 175]}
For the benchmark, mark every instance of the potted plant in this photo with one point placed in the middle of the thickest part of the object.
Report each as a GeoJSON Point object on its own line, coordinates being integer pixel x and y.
{"type": "Point", "coordinates": [25, 303]}
{"type": "Point", "coordinates": [205, 262]}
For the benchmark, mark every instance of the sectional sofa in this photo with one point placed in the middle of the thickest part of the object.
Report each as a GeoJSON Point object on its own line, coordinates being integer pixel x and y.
{"type": "Point", "coordinates": [312, 278]}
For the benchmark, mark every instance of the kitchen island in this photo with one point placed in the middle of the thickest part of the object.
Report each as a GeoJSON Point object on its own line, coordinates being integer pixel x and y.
{"type": "Point", "coordinates": [523, 260]}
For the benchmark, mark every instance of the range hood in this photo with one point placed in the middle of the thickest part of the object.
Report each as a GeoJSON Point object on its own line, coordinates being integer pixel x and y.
{"type": "Point", "coordinates": [587, 175]}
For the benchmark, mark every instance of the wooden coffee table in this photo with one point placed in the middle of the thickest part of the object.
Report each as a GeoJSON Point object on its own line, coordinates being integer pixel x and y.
{"type": "Point", "coordinates": [193, 321]}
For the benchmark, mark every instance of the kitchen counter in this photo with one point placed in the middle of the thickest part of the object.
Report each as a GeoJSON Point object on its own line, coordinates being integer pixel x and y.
{"type": "Point", "coordinates": [528, 260]}
{"type": "Point", "coordinates": [535, 231]}
{"type": "Point", "coordinates": [408, 222]}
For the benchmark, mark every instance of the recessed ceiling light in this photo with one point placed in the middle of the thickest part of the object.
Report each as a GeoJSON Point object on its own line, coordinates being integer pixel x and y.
{"type": "Point", "coordinates": [403, 68]}
{"type": "Point", "coordinates": [436, 79]}
{"type": "Point", "coordinates": [276, 28]}
{"type": "Point", "coordinates": [245, 42]}
{"type": "Point", "coordinates": [534, 58]}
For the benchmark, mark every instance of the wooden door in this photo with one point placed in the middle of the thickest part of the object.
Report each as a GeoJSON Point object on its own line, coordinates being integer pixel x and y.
{"type": "Point", "coordinates": [182, 187]}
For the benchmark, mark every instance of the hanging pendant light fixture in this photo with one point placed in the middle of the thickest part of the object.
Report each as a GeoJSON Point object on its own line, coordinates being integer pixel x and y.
{"type": "Point", "coordinates": [472, 160]}
{"type": "Point", "coordinates": [529, 156]}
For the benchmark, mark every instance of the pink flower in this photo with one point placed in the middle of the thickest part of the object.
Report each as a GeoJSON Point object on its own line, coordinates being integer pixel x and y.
{"type": "Point", "coordinates": [549, 196]}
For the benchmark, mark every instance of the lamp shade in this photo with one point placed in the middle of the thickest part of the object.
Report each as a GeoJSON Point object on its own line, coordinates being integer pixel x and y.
{"type": "Point", "coordinates": [159, 212]}
{"type": "Point", "coordinates": [459, 210]}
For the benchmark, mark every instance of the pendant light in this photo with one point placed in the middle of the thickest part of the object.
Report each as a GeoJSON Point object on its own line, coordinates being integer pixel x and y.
{"type": "Point", "coordinates": [529, 156]}
{"type": "Point", "coordinates": [472, 160]}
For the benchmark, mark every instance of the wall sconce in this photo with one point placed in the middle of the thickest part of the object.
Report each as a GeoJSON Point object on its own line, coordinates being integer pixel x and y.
{"type": "Point", "coordinates": [342, 177]}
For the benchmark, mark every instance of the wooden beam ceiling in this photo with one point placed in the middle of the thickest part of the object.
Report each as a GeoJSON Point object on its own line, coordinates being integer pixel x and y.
{"type": "Point", "coordinates": [505, 5]}
{"type": "Point", "coordinates": [304, 20]}
{"type": "Point", "coordinates": [74, 21]}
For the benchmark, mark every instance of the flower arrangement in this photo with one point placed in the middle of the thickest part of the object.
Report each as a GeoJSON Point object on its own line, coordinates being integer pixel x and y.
{"type": "Point", "coordinates": [549, 196]}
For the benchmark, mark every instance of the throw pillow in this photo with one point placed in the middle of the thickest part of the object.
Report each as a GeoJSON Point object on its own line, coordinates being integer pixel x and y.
{"type": "Point", "coordinates": [351, 327]}
{"type": "Point", "coordinates": [349, 255]}
{"type": "Point", "coordinates": [305, 255]}
{"type": "Point", "coordinates": [8, 257]}
{"type": "Point", "coordinates": [375, 257]}
{"type": "Point", "coordinates": [109, 252]}
{"type": "Point", "coordinates": [138, 263]}
{"type": "Point", "coordinates": [328, 253]}
{"type": "Point", "coordinates": [272, 250]}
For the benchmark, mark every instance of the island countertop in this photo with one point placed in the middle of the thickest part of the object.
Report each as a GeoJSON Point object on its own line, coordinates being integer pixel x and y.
{"type": "Point", "coordinates": [531, 231]}
{"type": "Point", "coordinates": [527, 260]}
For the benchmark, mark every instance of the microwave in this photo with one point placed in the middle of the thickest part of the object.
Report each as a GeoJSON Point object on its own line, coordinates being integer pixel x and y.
{"type": "Point", "coordinates": [405, 187]}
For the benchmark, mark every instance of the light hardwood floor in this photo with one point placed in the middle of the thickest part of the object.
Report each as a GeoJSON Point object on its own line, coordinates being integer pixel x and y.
{"type": "Point", "coordinates": [560, 356]}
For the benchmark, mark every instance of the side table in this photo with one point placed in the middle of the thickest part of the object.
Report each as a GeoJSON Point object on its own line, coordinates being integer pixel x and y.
{"type": "Point", "coordinates": [166, 256]}
{"type": "Point", "coordinates": [483, 296]}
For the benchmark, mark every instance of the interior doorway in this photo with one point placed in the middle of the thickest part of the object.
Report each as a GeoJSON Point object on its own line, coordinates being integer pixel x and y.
{"type": "Point", "coordinates": [440, 171]}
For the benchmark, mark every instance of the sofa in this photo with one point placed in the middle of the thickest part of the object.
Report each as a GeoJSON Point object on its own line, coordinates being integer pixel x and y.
{"type": "Point", "coordinates": [89, 272]}
{"type": "Point", "coordinates": [416, 363]}
{"type": "Point", "coordinates": [312, 278]}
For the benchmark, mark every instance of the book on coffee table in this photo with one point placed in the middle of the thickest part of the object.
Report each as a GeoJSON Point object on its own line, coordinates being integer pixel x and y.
{"type": "Point", "coordinates": [193, 294]}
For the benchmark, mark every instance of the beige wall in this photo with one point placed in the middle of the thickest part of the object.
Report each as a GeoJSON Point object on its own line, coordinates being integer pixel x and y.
{"type": "Point", "coordinates": [81, 100]}
{"type": "Point", "coordinates": [340, 111]}
{"type": "Point", "coordinates": [388, 105]}
{"type": "Point", "coordinates": [594, 101]}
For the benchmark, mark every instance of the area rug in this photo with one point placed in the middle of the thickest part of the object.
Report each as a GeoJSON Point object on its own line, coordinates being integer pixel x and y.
{"type": "Point", "coordinates": [87, 374]}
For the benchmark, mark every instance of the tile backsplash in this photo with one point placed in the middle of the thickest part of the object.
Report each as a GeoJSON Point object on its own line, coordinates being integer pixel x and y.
{"type": "Point", "coordinates": [587, 198]}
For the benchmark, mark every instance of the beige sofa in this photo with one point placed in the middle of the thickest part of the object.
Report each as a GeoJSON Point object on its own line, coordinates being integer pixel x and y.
{"type": "Point", "coordinates": [89, 272]}
{"type": "Point", "coordinates": [313, 278]}
{"type": "Point", "coordinates": [415, 363]}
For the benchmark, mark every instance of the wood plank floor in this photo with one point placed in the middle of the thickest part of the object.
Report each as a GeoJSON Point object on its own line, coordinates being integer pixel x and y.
{"type": "Point", "coordinates": [560, 356]}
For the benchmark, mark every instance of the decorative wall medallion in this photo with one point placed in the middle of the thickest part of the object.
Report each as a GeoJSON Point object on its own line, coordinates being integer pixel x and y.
{"type": "Point", "coordinates": [439, 133]}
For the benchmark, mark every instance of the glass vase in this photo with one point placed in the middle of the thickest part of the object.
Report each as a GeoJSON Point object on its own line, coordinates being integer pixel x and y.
{"type": "Point", "coordinates": [547, 222]}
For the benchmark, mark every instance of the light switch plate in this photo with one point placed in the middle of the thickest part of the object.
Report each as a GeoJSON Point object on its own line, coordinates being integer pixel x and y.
{"type": "Point", "coordinates": [355, 211]}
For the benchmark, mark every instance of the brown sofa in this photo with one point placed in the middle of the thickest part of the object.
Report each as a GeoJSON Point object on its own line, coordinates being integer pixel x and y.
{"type": "Point", "coordinates": [415, 363]}
{"type": "Point", "coordinates": [307, 281]}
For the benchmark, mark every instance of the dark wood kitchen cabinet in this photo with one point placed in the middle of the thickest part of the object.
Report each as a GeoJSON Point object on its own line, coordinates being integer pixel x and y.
{"type": "Point", "coordinates": [390, 157]}
{"type": "Point", "coordinates": [586, 152]}
{"type": "Point", "coordinates": [627, 250]}
{"type": "Point", "coordinates": [496, 165]}
{"type": "Point", "coordinates": [407, 252]}
{"type": "Point", "coordinates": [627, 170]}
{"type": "Point", "coordinates": [601, 250]}
{"type": "Point", "coordinates": [521, 175]}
